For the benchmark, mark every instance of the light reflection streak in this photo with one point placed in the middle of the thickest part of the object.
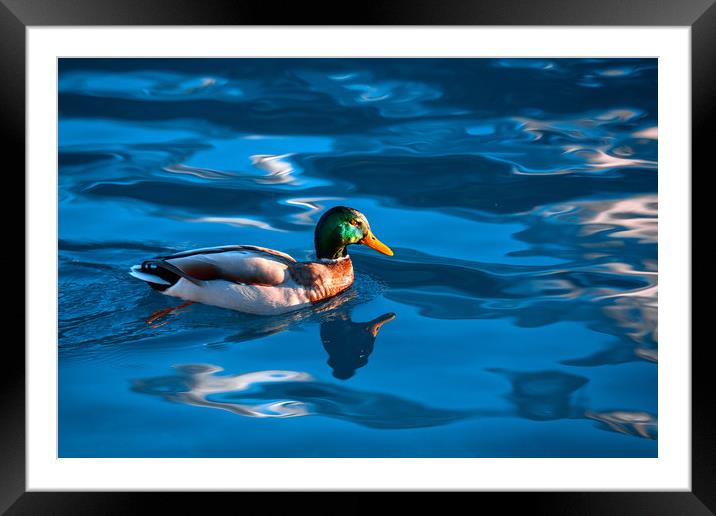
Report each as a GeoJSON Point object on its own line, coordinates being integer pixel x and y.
{"type": "Point", "coordinates": [307, 217]}
{"type": "Point", "coordinates": [622, 221]}
{"type": "Point", "coordinates": [635, 217]}
{"type": "Point", "coordinates": [599, 159]}
{"type": "Point", "coordinates": [640, 424]}
{"type": "Point", "coordinates": [238, 222]}
{"type": "Point", "coordinates": [650, 133]}
{"type": "Point", "coordinates": [203, 173]}
{"type": "Point", "coordinates": [277, 168]}
{"type": "Point", "coordinates": [285, 394]}
{"type": "Point", "coordinates": [202, 382]}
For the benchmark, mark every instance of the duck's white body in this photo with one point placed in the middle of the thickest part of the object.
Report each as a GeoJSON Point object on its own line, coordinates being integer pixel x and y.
{"type": "Point", "coordinates": [255, 299]}
{"type": "Point", "coordinates": [246, 278]}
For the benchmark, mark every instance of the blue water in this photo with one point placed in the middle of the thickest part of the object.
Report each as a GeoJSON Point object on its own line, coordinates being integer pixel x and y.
{"type": "Point", "coordinates": [519, 310]}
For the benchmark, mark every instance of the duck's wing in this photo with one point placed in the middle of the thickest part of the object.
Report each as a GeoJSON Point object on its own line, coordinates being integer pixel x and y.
{"type": "Point", "coordinates": [246, 264]}
{"type": "Point", "coordinates": [225, 248]}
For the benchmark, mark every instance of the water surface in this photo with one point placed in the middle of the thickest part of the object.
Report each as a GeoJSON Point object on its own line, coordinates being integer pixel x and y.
{"type": "Point", "coordinates": [516, 319]}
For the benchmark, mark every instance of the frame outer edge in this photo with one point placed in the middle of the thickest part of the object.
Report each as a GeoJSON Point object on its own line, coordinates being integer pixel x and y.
{"type": "Point", "coordinates": [12, 96]}
{"type": "Point", "coordinates": [703, 107]}
{"type": "Point", "coordinates": [385, 12]}
{"type": "Point", "coordinates": [12, 135]}
{"type": "Point", "coordinates": [347, 503]}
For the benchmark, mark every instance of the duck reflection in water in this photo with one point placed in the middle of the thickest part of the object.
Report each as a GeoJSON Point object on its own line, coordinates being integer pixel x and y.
{"type": "Point", "coordinates": [349, 343]}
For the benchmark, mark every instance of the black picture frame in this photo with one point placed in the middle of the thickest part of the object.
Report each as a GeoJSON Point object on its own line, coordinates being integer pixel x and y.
{"type": "Point", "coordinates": [17, 15]}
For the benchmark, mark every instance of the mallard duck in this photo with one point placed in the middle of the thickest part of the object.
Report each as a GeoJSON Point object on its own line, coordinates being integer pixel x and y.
{"type": "Point", "coordinates": [263, 281]}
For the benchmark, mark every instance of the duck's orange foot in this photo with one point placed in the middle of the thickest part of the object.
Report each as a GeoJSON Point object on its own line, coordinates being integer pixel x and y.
{"type": "Point", "coordinates": [165, 311]}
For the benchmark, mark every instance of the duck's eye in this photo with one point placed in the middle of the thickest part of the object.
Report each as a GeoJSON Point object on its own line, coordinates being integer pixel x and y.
{"type": "Point", "coordinates": [354, 222]}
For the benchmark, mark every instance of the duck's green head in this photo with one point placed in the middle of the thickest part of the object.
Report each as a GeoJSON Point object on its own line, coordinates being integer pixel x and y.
{"type": "Point", "coordinates": [342, 226]}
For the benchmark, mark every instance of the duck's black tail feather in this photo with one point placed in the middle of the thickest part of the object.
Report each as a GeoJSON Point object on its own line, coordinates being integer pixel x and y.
{"type": "Point", "coordinates": [158, 274]}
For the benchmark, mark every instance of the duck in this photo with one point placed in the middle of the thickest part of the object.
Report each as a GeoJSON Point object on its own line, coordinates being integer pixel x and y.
{"type": "Point", "coordinates": [261, 281]}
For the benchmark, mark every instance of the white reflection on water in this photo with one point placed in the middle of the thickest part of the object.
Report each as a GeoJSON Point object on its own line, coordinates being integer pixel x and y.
{"type": "Point", "coordinates": [578, 127]}
{"type": "Point", "coordinates": [592, 139]}
{"type": "Point", "coordinates": [278, 170]}
{"type": "Point", "coordinates": [640, 424]}
{"type": "Point", "coordinates": [293, 394]}
{"type": "Point", "coordinates": [203, 173]}
{"type": "Point", "coordinates": [599, 159]}
{"type": "Point", "coordinates": [637, 312]}
{"type": "Point", "coordinates": [539, 144]}
{"type": "Point", "coordinates": [202, 382]}
{"type": "Point", "coordinates": [651, 355]}
{"type": "Point", "coordinates": [237, 222]}
{"type": "Point", "coordinates": [307, 218]}
{"type": "Point", "coordinates": [650, 133]}
{"type": "Point", "coordinates": [635, 217]}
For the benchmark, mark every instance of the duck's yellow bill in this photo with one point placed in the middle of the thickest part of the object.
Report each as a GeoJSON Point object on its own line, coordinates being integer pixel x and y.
{"type": "Point", "coordinates": [376, 244]}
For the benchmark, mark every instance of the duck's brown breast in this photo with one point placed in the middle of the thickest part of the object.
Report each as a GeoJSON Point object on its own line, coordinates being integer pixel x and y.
{"type": "Point", "coordinates": [323, 279]}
